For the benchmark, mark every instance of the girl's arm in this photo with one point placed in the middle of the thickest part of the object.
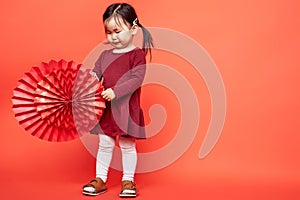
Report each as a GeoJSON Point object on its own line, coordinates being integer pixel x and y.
{"type": "Point", "coordinates": [137, 74]}
{"type": "Point", "coordinates": [97, 69]}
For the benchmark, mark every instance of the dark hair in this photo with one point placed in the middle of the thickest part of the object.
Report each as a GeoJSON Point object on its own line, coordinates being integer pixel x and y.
{"type": "Point", "coordinates": [129, 16]}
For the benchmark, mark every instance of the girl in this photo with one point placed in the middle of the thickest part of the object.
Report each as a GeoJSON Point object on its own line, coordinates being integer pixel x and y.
{"type": "Point", "coordinates": [122, 70]}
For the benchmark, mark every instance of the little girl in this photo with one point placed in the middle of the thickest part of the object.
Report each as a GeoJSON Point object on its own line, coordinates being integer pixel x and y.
{"type": "Point", "coordinates": [122, 70]}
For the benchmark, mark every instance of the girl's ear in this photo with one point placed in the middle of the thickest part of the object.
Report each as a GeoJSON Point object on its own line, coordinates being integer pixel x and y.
{"type": "Point", "coordinates": [134, 29]}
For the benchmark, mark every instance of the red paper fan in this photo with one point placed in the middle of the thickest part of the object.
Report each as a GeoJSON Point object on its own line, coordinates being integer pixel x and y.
{"type": "Point", "coordinates": [58, 101]}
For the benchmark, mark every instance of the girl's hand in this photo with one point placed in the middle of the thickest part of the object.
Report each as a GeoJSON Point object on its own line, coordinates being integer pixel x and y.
{"type": "Point", "coordinates": [94, 74]}
{"type": "Point", "coordinates": [108, 94]}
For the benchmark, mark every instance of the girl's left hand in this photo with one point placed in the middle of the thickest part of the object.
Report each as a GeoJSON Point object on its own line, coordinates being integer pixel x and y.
{"type": "Point", "coordinates": [108, 94]}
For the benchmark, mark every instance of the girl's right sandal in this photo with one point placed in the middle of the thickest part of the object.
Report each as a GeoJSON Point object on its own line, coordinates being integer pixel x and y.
{"type": "Point", "coordinates": [95, 187]}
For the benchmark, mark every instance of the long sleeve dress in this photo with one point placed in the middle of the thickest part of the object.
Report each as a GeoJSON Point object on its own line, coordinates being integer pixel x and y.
{"type": "Point", "coordinates": [124, 73]}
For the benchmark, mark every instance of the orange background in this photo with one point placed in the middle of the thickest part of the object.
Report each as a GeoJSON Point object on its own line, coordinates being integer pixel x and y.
{"type": "Point", "coordinates": [255, 45]}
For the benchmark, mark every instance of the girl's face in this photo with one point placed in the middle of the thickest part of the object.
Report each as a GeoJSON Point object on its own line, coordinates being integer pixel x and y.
{"type": "Point", "coordinates": [119, 35]}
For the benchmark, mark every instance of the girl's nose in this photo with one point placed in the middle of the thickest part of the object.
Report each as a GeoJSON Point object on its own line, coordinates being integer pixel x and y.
{"type": "Point", "coordinates": [114, 36]}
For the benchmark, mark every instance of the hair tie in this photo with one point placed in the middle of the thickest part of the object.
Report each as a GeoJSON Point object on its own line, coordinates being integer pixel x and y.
{"type": "Point", "coordinates": [115, 11]}
{"type": "Point", "coordinates": [135, 22]}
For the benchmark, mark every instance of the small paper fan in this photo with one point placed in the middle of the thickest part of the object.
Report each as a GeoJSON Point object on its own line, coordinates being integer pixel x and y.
{"type": "Point", "coordinates": [58, 101]}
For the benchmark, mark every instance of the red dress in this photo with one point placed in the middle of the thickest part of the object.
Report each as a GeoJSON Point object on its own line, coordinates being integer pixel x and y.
{"type": "Point", "coordinates": [124, 73]}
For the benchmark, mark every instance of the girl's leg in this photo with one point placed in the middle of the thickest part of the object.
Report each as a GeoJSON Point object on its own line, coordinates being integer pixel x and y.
{"type": "Point", "coordinates": [104, 156]}
{"type": "Point", "coordinates": [129, 157]}
{"type": "Point", "coordinates": [106, 146]}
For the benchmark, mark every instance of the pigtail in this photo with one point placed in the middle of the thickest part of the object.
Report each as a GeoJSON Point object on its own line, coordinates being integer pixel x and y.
{"type": "Point", "coordinates": [147, 40]}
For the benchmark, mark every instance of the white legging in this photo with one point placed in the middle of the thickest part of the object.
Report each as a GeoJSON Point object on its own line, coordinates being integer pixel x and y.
{"type": "Point", "coordinates": [104, 156]}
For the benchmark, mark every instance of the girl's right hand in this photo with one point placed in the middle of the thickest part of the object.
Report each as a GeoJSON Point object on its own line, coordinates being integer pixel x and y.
{"type": "Point", "coordinates": [94, 74]}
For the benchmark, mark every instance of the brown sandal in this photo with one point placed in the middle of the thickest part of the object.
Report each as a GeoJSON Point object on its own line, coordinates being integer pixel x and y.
{"type": "Point", "coordinates": [97, 184]}
{"type": "Point", "coordinates": [128, 189]}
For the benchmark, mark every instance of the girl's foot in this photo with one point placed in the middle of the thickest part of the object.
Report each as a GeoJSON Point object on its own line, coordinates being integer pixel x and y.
{"type": "Point", "coordinates": [95, 187]}
{"type": "Point", "coordinates": [128, 189]}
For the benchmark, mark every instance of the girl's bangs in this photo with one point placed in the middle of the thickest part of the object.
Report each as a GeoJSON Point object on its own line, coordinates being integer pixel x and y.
{"type": "Point", "coordinates": [120, 21]}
